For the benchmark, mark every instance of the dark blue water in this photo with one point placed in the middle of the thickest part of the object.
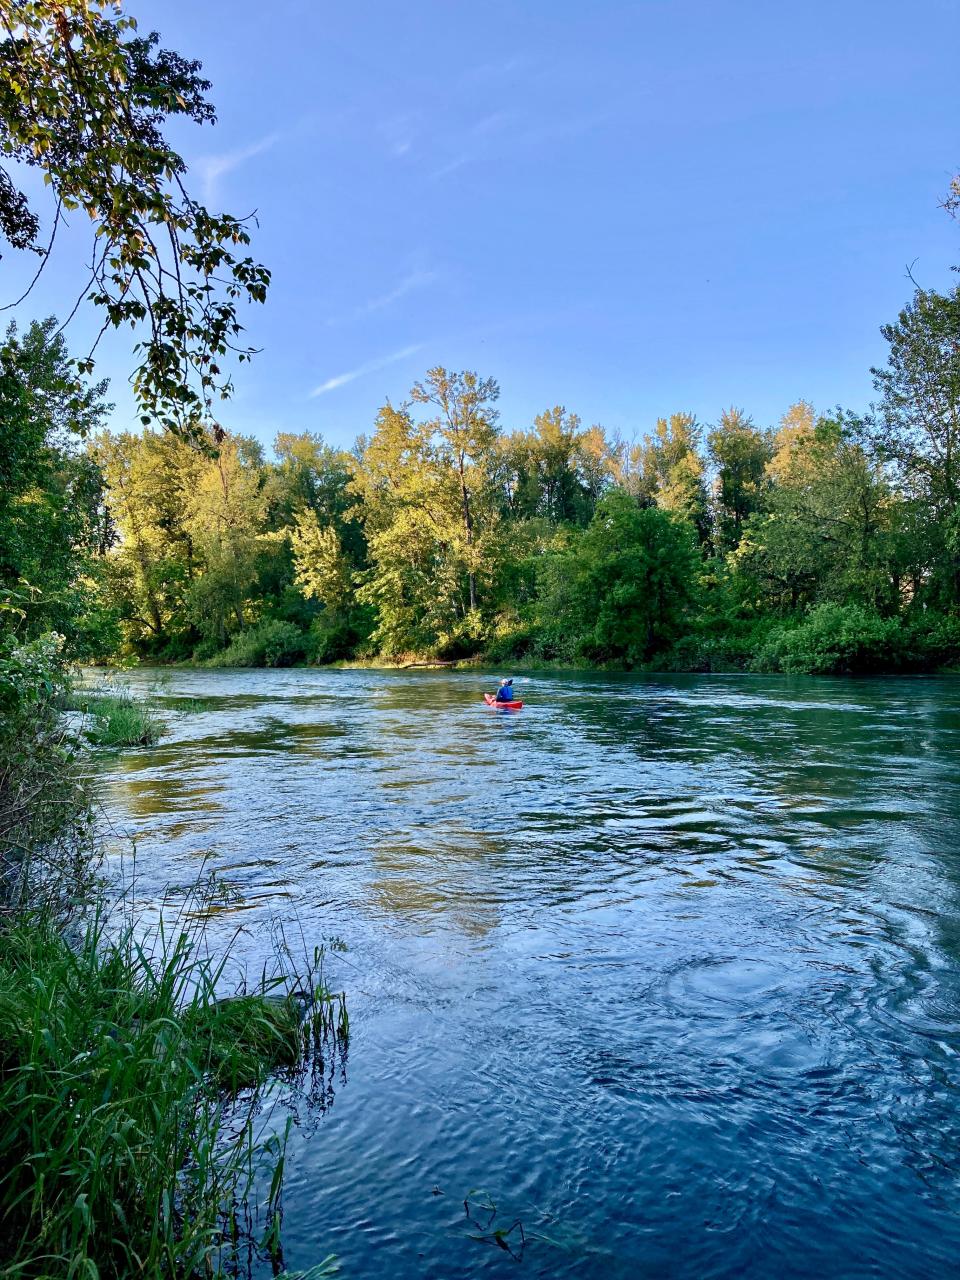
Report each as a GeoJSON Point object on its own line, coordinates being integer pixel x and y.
{"type": "Point", "coordinates": [667, 970]}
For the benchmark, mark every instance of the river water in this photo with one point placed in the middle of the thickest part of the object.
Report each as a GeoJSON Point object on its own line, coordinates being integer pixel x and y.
{"type": "Point", "coordinates": [667, 969]}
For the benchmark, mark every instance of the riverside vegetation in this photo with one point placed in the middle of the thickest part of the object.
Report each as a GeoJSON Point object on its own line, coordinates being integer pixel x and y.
{"type": "Point", "coordinates": [829, 543]}
{"type": "Point", "coordinates": [135, 1130]}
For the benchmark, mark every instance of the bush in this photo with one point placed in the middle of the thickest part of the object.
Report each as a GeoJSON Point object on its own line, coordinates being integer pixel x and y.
{"type": "Point", "coordinates": [703, 653]}
{"type": "Point", "coordinates": [335, 637]}
{"type": "Point", "coordinates": [268, 644]}
{"type": "Point", "coordinates": [45, 825]}
{"type": "Point", "coordinates": [936, 637]}
{"type": "Point", "coordinates": [837, 639]}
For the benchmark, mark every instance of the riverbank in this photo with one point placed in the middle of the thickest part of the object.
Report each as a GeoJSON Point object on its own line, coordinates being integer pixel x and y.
{"type": "Point", "coordinates": [830, 639]}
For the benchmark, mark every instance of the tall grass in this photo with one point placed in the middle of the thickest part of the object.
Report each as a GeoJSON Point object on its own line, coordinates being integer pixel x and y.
{"type": "Point", "coordinates": [115, 718]}
{"type": "Point", "coordinates": [129, 1096]}
{"type": "Point", "coordinates": [135, 1129]}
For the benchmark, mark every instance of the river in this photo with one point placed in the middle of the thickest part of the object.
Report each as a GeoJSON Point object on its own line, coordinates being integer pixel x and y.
{"type": "Point", "coordinates": [667, 969]}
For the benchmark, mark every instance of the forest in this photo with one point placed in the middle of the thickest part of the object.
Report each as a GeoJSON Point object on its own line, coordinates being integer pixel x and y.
{"type": "Point", "coordinates": [826, 543]}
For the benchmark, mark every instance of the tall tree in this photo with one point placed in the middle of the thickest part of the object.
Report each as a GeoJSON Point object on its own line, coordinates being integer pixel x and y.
{"type": "Point", "coordinates": [150, 478]}
{"type": "Point", "coordinates": [52, 522]}
{"type": "Point", "coordinates": [465, 434]}
{"type": "Point", "coordinates": [558, 470]}
{"type": "Point", "coordinates": [740, 453]}
{"type": "Point", "coordinates": [625, 585]}
{"type": "Point", "coordinates": [919, 429]}
{"type": "Point", "coordinates": [666, 468]}
{"type": "Point", "coordinates": [825, 528]}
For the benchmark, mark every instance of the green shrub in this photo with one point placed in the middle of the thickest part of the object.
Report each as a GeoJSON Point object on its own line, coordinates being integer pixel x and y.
{"type": "Point", "coordinates": [333, 638]}
{"type": "Point", "coordinates": [706, 653]}
{"type": "Point", "coordinates": [46, 847]}
{"type": "Point", "coordinates": [936, 637]}
{"type": "Point", "coordinates": [838, 639]}
{"type": "Point", "coordinates": [268, 644]}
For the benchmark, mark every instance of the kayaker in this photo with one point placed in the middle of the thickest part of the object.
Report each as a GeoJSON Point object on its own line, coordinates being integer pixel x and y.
{"type": "Point", "coordinates": [505, 692]}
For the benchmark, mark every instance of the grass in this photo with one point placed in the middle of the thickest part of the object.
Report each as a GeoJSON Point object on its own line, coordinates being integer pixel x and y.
{"type": "Point", "coordinates": [129, 1093]}
{"type": "Point", "coordinates": [115, 719]}
{"type": "Point", "coordinates": [136, 1129]}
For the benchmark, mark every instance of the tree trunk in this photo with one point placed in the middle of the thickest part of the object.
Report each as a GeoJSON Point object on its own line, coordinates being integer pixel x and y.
{"type": "Point", "coordinates": [468, 528]}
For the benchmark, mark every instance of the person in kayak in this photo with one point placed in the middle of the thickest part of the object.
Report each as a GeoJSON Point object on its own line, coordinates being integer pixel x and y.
{"type": "Point", "coordinates": [505, 692]}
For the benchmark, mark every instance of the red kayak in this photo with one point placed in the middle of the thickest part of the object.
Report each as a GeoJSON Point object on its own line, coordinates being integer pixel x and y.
{"type": "Point", "coordinates": [491, 701]}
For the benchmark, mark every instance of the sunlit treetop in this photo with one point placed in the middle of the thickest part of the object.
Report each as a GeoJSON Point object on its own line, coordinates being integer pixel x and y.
{"type": "Point", "coordinates": [84, 98]}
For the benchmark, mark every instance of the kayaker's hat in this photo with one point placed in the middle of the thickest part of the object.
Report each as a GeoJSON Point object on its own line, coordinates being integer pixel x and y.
{"type": "Point", "coordinates": [508, 681]}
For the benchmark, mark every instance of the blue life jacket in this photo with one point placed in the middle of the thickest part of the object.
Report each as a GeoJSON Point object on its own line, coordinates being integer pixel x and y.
{"type": "Point", "coordinates": [505, 693]}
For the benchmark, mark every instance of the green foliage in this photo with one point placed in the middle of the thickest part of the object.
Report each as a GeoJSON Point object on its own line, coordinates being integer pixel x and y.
{"type": "Point", "coordinates": [624, 586]}
{"type": "Point", "coordinates": [699, 652]}
{"type": "Point", "coordinates": [837, 639]}
{"type": "Point", "coordinates": [115, 718]}
{"type": "Point", "coordinates": [666, 468]}
{"type": "Point", "coordinates": [267, 644]}
{"type": "Point", "coordinates": [120, 1152]}
{"type": "Point", "coordinates": [336, 636]}
{"type": "Point", "coordinates": [322, 570]}
{"type": "Point", "coordinates": [428, 494]}
{"type": "Point", "coordinates": [919, 434]}
{"type": "Point", "coordinates": [558, 471]}
{"type": "Point", "coordinates": [936, 638]}
{"type": "Point", "coordinates": [84, 99]}
{"type": "Point", "coordinates": [45, 837]}
{"type": "Point", "coordinates": [740, 453]}
{"type": "Point", "coordinates": [52, 523]}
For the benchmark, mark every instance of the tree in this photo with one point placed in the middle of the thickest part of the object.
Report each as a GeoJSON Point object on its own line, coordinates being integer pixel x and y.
{"type": "Point", "coordinates": [464, 433]}
{"type": "Point", "coordinates": [666, 468]}
{"type": "Point", "coordinates": [412, 521]}
{"type": "Point", "coordinates": [52, 522]}
{"type": "Point", "coordinates": [149, 479]}
{"type": "Point", "coordinates": [796, 430]}
{"type": "Point", "coordinates": [558, 471]}
{"type": "Point", "coordinates": [84, 99]}
{"type": "Point", "coordinates": [625, 585]}
{"type": "Point", "coordinates": [225, 515]}
{"type": "Point", "coordinates": [323, 572]}
{"type": "Point", "coordinates": [740, 453]}
{"type": "Point", "coordinates": [825, 530]}
{"type": "Point", "coordinates": [429, 493]}
{"type": "Point", "coordinates": [919, 428]}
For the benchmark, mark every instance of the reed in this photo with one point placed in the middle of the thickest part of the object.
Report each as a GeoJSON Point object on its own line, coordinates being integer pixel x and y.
{"type": "Point", "coordinates": [130, 1093]}
{"type": "Point", "coordinates": [114, 718]}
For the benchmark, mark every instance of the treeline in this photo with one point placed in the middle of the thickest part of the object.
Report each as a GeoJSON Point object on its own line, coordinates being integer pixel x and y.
{"type": "Point", "coordinates": [828, 542]}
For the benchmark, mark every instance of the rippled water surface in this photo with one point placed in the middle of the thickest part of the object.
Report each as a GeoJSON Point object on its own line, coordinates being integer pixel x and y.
{"type": "Point", "coordinates": [668, 967]}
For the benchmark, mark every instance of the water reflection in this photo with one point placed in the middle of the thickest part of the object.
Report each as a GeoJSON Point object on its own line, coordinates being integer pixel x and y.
{"type": "Point", "coordinates": [670, 968]}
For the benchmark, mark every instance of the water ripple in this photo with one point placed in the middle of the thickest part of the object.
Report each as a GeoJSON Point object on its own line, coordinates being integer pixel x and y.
{"type": "Point", "coordinates": [668, 967]}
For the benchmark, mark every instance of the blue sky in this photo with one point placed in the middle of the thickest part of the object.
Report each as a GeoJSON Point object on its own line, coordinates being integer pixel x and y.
{"type": "Point", "coordinates": [626, 208]}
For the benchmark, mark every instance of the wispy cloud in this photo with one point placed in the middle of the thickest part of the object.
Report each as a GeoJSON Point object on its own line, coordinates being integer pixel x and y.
{"type": "Point", "coordinates": [452, 166]}
{"type": "Point", "coordinates": [210, 169]}
{"type": "Point", "coordinates": [493, 70]}
{"type": "Point", "coordinates": [401, 132]}
{"type": "Point", "coordinates": [371, 366]}
{"type": "Point", "coordinates": [411, 283]}
{"type": "Point", "coordinates": [499, 134]}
